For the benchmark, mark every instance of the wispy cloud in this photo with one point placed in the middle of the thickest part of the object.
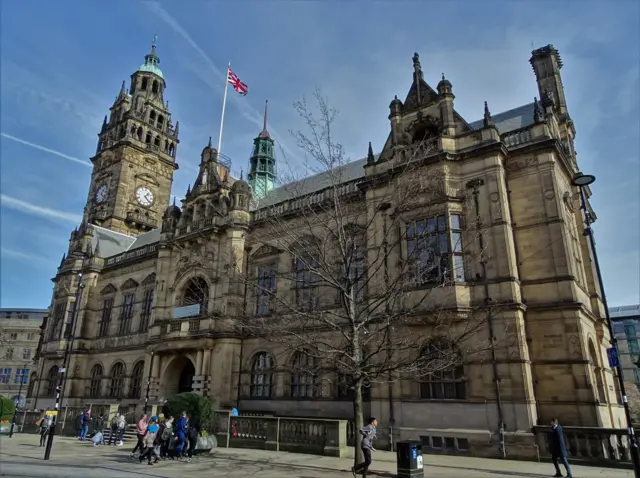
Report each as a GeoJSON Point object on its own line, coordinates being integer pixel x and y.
{"type": "Point", "coordinates": [37, 259]}
{"type": "Point", "coordinates": [45, 149]}
{"type": "Point", "coordinates": [35, 210]}
{"type": "Point", "coordinates": [244, 107]}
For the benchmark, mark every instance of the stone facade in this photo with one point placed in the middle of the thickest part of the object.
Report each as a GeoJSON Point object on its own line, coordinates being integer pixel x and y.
{"type": "Point", "coordinates": [154, 302]}
{"type": "Point", "coordinates": [19, 338]}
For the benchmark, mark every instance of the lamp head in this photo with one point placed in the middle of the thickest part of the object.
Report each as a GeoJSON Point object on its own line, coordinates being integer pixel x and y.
{"type": "Point", "coordinates": [581, 180]}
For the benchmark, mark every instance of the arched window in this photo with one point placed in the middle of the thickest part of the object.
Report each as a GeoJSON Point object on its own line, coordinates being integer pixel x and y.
{"type": "Point", "coordinates": [345, 388]}
{"type": "Point", "coordinates": [52, 381]}
{"type": "Point", "coordinates": [152, 117]}
{"type": "Point", "coordinates": [304, 378]}
{"type": "Point", "coordinates": [171, 149]}
{"type": "Point", "coordinates": [160, 122]}
{"type": "Point", "coordinates": [157, 141]}
{"type": "Point", "coordinates": [443, 377]}
{"type": "Point", "coordinates": [136, 380]}
{"type": "Point", "coordinates": [166, 146]}
{"type": "Point", "coordinates": [148, 138]}
{"type": "Point", "coordinates": [95, 382]}
{"type": "Point", "coordinates": [262, 376]}
{"type": "Point", "coordinates": [117, 381]}
{"type": "Point", "coordinates": [139, 133]}
{"type": "Point", "coordinates": [154, 86]}
{"type": "Point", "coordinates": [32, 385]}
{"type": "Point", "coordinates": [144, 84]}
{"type": "Point", "coordinates": [133, 130]}
{"type": "Point", "coordinates": [197, 293]}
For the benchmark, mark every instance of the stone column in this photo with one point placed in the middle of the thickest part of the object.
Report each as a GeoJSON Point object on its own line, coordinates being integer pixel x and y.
{"type": "Point", "coordinates": [199, 355]}
{"type": "Point", "coordinates": [206, 362]}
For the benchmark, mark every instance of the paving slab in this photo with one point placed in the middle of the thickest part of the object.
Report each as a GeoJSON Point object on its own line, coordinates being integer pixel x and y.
{"type": "Point", "coordinates": [20, 456]}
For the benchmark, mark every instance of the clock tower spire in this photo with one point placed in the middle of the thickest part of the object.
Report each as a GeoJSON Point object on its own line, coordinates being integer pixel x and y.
{"type": "Point", "coordinates": [136, 155]}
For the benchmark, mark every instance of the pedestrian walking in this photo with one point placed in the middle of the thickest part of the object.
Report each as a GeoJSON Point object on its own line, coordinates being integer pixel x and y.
{"type": "Point", "coordinates": [113, 436]}
{"type": "Point", "coordinates": [166, 437]}
{"type": "Point", "coordinates": [558, 449]}
{"type": "Point", "coordinates": [194, 433]}
{"type": "Point", "coordinates": [148, 443]}
{"type": "Point", "coordinates": [45, 426]}
{"type": "Point", "coordinates": [141, 431]}
{"type": "Point", "coordinates": [84, 424]}
{"type": "Point", "coordinates": [122, 425]}
{"type": "Point", "coordinates": [181, 434]}
{"type": "Point", "coordinates": [368, 433]}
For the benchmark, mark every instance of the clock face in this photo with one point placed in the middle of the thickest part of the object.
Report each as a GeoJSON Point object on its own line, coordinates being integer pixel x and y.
{"type": "Point", "coordinates": [101, 193]}
{"type": "Point", "coordinates": [144, 196]}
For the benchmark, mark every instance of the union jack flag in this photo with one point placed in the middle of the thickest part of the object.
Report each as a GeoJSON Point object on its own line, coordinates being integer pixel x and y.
{"type": "Point", "coordinates": [238, 85]}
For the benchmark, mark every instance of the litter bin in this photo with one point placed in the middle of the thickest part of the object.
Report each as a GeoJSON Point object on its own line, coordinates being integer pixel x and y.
{"type": "Point", "coordinates": [409, 459]}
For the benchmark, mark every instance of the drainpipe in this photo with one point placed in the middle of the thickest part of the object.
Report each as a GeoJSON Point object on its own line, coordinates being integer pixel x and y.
{"type": "Point", "coordinates": [474, 185]}
{"type": "Point", "coordinates": [527, 332]}
{"type": "Point", "coordinates": [385, 246]}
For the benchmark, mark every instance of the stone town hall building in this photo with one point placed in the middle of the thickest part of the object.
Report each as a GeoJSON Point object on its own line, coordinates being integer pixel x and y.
{"type": "Point", "coordinates": [132, 323]}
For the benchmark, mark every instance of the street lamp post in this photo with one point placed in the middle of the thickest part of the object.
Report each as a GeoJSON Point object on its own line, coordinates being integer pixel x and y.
{"type": "Point", "coordinates": [146, 396]}
{"type": "Point", "coordinates": [62, 372]}
{"type": "Point", "coordinates": [581, 181]}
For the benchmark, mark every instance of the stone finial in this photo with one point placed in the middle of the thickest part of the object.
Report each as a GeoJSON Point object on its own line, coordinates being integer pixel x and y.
{"type": "Point", "coordinates": [538, 116]}
{"type": "Point", "coordinates": [370, 157]}
{"type": "Point", "coordinates": [488, 120]}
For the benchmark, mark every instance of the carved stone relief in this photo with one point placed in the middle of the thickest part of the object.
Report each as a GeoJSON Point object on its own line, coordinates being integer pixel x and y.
{"type": "Point", "coordinates": [520, 163]}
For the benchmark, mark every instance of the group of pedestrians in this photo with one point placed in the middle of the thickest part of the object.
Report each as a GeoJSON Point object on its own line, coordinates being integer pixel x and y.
{"type": "Point", "coordinates": [161, 439]}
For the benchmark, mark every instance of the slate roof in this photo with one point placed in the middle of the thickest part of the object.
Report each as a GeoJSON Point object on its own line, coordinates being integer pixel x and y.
{"type": "Point", "coordinates": [114, 243]}
{"type": "Point", "coordinates": [625, 311]}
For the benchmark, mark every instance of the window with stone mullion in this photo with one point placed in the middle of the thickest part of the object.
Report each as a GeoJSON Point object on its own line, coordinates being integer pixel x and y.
{"type": "Point", "coordinates": [304, 378]}
{"type": "Point", "coordinates": [58, 319]}
{"type": "Point", "coordinates": [147, 305]}
{"type": "Point", "coordinates": [68, 332]}
{"type": "Point", "coordinates": [434, 248]}
{"type": "Point", "coordinates": [265, 288]}
{"type": "Point", "coordinates": [261, 376]}
{"type": "Point", "coordinates": [126, 315]}
{"type": "Point", "coordinates": [105, 319]}
{"type": "Point", "coordinates": [306, 283]}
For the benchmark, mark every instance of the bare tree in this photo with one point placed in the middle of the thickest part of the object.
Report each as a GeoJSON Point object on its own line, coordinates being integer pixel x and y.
{"type": "Point", "coordinates": [355, 277]}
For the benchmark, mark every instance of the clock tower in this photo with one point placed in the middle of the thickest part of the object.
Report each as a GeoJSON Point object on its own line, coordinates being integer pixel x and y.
{"type": "Point", "coordinates": [136, 155]}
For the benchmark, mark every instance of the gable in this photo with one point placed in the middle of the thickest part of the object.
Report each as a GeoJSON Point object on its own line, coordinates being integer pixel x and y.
{"type": "Point", "coordinates": [150, 279]}
{"type": "Point", "coordinates": [108, 289]}
{"type": "Point", "coordinates": [427, 95]}
{"type": "Point", "coordinates": [129, 284]}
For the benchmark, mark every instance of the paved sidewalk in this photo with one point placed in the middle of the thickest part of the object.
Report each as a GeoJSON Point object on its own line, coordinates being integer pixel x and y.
{"type": "Point", "coordinates": [20, 456]}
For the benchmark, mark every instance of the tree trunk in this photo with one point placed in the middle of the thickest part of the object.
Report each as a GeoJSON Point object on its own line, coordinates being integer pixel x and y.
{"type": "Point", "coordinates": [358, 417]}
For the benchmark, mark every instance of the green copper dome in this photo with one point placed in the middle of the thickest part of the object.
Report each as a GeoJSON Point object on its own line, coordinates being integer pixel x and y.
{"type": "Point", "coordinates": [151, 62]}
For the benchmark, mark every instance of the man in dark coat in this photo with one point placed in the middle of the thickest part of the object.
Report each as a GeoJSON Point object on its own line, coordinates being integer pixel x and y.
{"type": "Point", "coordinates": [558, 449]}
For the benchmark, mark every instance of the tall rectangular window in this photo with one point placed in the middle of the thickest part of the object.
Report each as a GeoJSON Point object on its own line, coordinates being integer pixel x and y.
{"type": "Point", "coordinates": [147, 306]}
{"type": "Point", "coordinates": [634, 348]}
{"type": "Point", "coordinates": [5, 375]}
{"type": "Point", "coordinates": [434, 248]}
{"type": "Point", "coordinates": [630, 331]}
{"type": "Point", "coordinates": [58, 319]}
{"type": "Point", "coordinates": [22, 376]}
{"type": "Point", "coordinates": [354, 273]}
{"type": "Point", "coordinates": [127, 314]}
{"type": "Point", "coordinates": [105, 319]}
{"type": "Point", "coordinates": [68, 328]}
{"type": "Point", "coordinates": [306, 283]}
{"type": "Point", "coordinates": [265, 288]}
{"type": "Point", "coordinates": [26, 354]}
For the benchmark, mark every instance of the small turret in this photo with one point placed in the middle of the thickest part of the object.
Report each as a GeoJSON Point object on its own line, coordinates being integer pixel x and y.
{"type": "Point", "coordinates": [487, 120]}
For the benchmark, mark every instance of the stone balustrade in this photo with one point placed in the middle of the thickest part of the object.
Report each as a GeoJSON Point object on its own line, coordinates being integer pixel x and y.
{"type": "Point", "coordinates": [517, 137]}
{"type": "Point", "coordinates": [590, 445]}
{"type": "Point", "coordinates": [297, 435]}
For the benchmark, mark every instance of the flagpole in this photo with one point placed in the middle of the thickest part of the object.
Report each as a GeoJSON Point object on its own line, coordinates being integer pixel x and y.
{"type": "Point", "coordinates": [224, 106]}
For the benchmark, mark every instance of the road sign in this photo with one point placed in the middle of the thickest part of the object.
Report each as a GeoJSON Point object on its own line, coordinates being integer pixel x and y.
{"type": "Point", "coordinates": [612, 355]}
{"type": "Point", "coordinates": [51, 413]}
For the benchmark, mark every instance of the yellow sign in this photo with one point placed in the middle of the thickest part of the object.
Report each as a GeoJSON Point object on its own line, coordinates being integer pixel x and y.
{"type": "Point", "coordinates": [51, 413]}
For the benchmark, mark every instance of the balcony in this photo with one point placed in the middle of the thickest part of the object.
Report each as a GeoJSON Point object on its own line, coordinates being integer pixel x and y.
{"type": "Point", "coordinates": [143, 220]}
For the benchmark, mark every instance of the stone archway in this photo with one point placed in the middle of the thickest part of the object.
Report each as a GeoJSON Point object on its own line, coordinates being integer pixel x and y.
{"type": "Point", "coordinates": [177, 377]}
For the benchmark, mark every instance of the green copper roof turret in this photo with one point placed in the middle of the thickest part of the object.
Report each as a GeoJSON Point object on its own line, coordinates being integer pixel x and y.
{"type": "Point", "coordinates": [262, 164]}
{"type": "Point", "coordinates": [151, 61]}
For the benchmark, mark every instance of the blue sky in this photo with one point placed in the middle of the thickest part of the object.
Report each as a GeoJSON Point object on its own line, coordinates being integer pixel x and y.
{"type": "Point", "coordinates": [63, 63]}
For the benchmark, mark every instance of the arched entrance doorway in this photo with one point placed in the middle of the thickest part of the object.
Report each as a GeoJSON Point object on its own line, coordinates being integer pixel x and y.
{"type": "Point", "coordinates": [185, 383]}
{"type": "Point", "coordinates": [177, 377]}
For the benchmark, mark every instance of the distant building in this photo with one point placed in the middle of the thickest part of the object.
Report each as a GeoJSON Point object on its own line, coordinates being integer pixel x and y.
{"type": "Point", "coordinates": [19, 338]}
{"type": "Point", "coordinates": [626, 328]}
